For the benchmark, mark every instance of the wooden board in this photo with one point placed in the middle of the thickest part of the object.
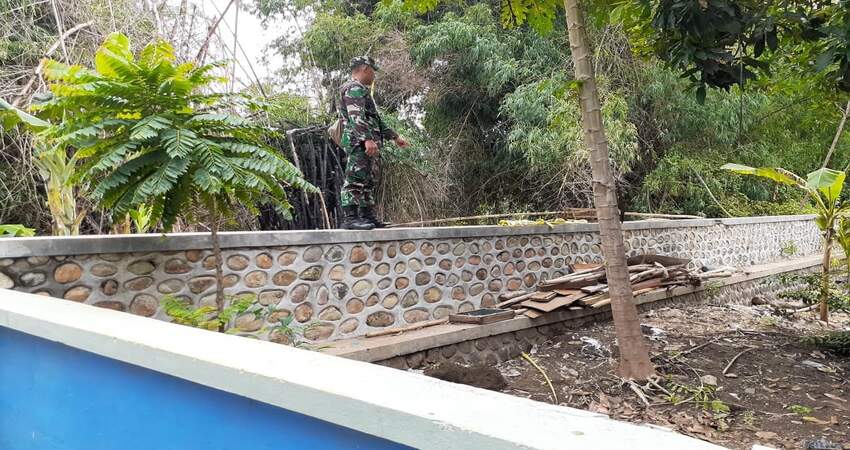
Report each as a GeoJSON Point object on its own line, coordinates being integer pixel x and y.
{"type": "Point", "coordinates": [651, 283]}
{"type": "Point", "coordinates": [566, 292]}
{"type": "Point", "coordinates": [558, 302]}
{"type": "Point", "coordinates": [595, 289]}
{"type": "Point", "coordinates": [483, 319]}
{"type": "Point", "coordinates": [583, 266]}
{"type": "Point", "coordinates": [532, 314]}
{"type": "Point", "coordinates": [543, 296]}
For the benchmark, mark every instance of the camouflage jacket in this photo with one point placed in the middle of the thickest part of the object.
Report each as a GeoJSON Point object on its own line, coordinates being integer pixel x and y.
{"type": "Point", "coordinates": [360, 116]}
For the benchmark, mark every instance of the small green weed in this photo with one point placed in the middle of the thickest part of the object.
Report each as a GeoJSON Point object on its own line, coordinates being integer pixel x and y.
{"type": "Point", "coordinates": [800, 410]}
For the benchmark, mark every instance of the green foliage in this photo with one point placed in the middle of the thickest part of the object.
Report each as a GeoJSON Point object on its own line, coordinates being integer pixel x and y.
{"type": "Point", "coordinates": [290, 333]}
{"type": "Point", "coordinates": [808, 289]}
{"type": "Point", "coordinates": [15, 230]}
{"type": "Point", "coordinates": [837, 342]}
{"type": "Point", "coordinates": [208, 317]}
{"type": "Point", "coordinates": [148, 133]}
{"type": "Point", "coordinates": [141, 217]}
{"type": "Point", "coordinates": [704, 396]}
{"type": "Point", "coordinates": [800, 410]}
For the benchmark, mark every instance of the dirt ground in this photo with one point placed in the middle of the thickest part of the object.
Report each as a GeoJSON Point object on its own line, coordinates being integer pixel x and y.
{"type": "Point", "coordinates": [779, 392]}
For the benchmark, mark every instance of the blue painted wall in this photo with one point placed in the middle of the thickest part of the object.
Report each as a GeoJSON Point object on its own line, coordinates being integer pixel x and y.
{"type": "Point", "coordinates": [56, 397]}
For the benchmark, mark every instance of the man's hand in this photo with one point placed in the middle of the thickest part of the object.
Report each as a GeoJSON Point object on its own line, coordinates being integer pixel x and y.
{"type": "Point", "coordinates": [401, 142]}
{"type": "Point", "coordinates": [371, 148]}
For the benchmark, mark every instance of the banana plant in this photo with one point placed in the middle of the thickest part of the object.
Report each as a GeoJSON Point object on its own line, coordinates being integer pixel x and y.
{"type": "Point", "coordinates": [824, 187]}
{"type": "Point", "coordinates": [842, 236]}
{"type": "Point", "coordinates": [59, 172]}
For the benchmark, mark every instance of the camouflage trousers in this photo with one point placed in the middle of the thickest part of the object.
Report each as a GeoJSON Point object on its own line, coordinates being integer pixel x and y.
{"type": "Point", "coordinates": [362, 173]}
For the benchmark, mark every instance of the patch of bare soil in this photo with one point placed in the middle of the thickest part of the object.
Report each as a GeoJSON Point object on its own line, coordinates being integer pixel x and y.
{"type": "Point", "coordinates": [778, 392]}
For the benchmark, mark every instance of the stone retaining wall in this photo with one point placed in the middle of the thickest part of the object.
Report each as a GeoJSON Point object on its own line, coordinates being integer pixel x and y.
{"type": "Point", "coordinates": [344, 284]}
{"type": "Point", "coordinates": [502, 347]}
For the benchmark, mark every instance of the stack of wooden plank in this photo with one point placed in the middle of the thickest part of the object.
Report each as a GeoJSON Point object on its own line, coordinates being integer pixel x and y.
{"type": "Point", "coordinates": [586, 287]}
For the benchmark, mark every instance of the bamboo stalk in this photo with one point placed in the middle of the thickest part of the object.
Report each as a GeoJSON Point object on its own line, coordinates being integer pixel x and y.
{"type": "Point", "coordinates": [415, 326]}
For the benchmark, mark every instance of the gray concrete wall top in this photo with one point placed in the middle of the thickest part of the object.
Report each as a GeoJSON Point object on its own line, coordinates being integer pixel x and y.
{"type": "Point", "coordinates": [83, 245]}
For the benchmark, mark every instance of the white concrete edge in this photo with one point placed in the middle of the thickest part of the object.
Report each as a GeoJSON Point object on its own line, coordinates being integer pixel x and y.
{"type": "Point", "coordinates": [400, 406]}
{"type": "Point", "coordinates": [141, 243]}
{"type": "Point", "coordinates": [373, 350]}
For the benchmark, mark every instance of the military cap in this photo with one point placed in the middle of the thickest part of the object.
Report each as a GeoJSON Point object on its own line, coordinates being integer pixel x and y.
{"type": "Point", "coordinates": [358, 61]}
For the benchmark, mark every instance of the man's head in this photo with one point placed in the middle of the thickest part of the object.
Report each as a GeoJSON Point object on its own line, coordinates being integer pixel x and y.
{"type": "Point", "coordinates": [363, 69]}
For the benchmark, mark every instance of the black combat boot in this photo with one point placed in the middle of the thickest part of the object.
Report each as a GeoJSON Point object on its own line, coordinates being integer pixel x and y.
{"type": "Point", "coordinates": [367, 213]}
{"type": "Point", "coordinates": [353, 222]}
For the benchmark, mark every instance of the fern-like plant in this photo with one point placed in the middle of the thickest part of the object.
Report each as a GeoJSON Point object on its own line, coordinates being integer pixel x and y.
{"type": "Point", "coordinates": [148, 130]}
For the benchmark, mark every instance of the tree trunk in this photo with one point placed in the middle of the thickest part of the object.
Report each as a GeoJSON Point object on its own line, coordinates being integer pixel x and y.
{"type": "Point", "coordinates": [634, 352]}
{"type": "Point", "coordinates": [824, 289]}
{"type": "Point", "coordinates": [219, 270]}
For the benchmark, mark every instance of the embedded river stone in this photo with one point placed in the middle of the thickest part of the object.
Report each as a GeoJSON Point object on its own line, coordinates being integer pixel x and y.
{"type": "Point", "coordinates": [272, 297]}
{"type": "Point", "coordinates": [331, 314]}
{"type": "Point", "coordinates": [194, 255]}
{"type": "Point", "coordinates": [430, 261]}
{"type": "Point", "coordinates": [377, 254]}
{"type": "Point", "coordinates": [36, 261]}
{"type": "Point", "coordinates": [77, 293]}
{"type": "Point", "coordinates": [466, 275]}
{"type": "Point", "coordinates": [138, 268]}
{"type": "Point", "coordinates": [494, 285]}
{"type": "Point", "coordinates": [453, 279]}
{"type": "Point", "coordinates": [443, 248]}
{"type": "Point", "coordinates": [391, 251]}
{"type": "Point", "coordinates": [264, 261]}
{"type": "Point", "coordinates": [514, 284]}
{"type": "Point", "coordinates": [319, 332]}
{"type": "Point", "coordinates": [509, 269]}
{"type": "Point", "coordinates": [426, 248]}
{"type": "Point", "coordinates": [402, 283]}
{"type": "Point", "coordinates": [348, 325]}
{"type": "Point", "coordinates": [337, 273]}
{"type": "Point", "coordinates": [173, 266]}
{"type": "Point", "coordinates": [298, 294]}
{"type": "Point", "coordinates": [459, 262]}
{"type": "Point", "coordinates": [529, 279]}
{"type": "Point", "coordinates": [372, 300]}
{"type": "Point", "coordinates": [358, 254]}
{"type": "Point", "coordinates": [109, 287]}
{"type": "Point", "coordinates": [361, 288]}
{"type": "Point", "coordinates": [481, 274]}
{"type": "Point", "coordinates": [380, 319]}
{"type": "Point", "coordinates": [529, 253]}
{"type": "Point", "coordinates": [248, 322]}
{"type": "Point", "coordinates": [354, 306]}
{"type": "Point", "coordinates": [70, 272]}
{"type": "Point", "coordinates": [410, 298]}
{"type": "Point", "coordinates": [384, 283]}
{"type": "Point", "coordinates": [138, 284]}
{"type": "Point", "coordinates": [488, 301]}
{"type": "Point", "coordinates": [322, 295]}
{"type": "Point", "coordinates": [201, 284]}
{"type": "Point", "coordinates": [474, 260]}
{"type": "Point", "coordinates": [432, 295]}
{"type": "Point", "coordinates": [407, 248]}
{"type": "Point", "coordinates": [517, 253]}
{"type": "Point", "coordinates": [390, 301]}
{"type": "Point", "coordinates": [465, 307]}
{"type": "Point", "coordinates": [284, 277]}
{"type": "Point", "coordinates": [237, 262]}
{"type": "Point", "coordinates": [111, 304]}
{"type": "Point", "coordinates": [33, 279]}
{"type": "Point", "coordinates": [144, 305]}
{"type": "Point", "coordinates": [443, 311]}
{"type": "Point", "coordinates": [422, 278]}
{"type": "Point", "coordinates": [459, 249]}
{"type": "Point", "coordinates": [287, 258]}
{"type": "Point", "coordinates": [400, 267]}
{"type": "Point", "coordinates": [458, 293]}
{"type": "Point", "coordinates": [440, 278]}
{"type": "Point", "coordinates": [256, 279]}
{"type": "Point", "coordinates": [495, 272]}
{"type": "Point", "coordinates": [103, 270]}
{"type": "Point", "coordinates": [6, 282]}
{"type": "Point", "coordinates": [361, 270]}
{"type": "Point", "coordinates": [230, 280]}
{"type": "Point", "coordinates": [335, 253]}
{"type": "Point", "coordinates": [303, 312]}
{"type": "Point", "coordinates": [312, 254]}
{"type": "Point", "coordinates": [415, 315]}
{"type": "Point", "coordinates": [278, 315]}
{"type": "Point", "coordinates": [520, 266]}
{"type": "Point", "coordinates": [446, 264]}
{"type": "Point", "coordinates": [208, 263]}
{"type": "Point", "coordinates": [312, 273]}
{"type": "Point", "coordinates": [339, 290]}
{"type": "Point", "coordinates": [414, 264]}
{"type": "Point", "coordinates": [170, 286]}
{"type": "Point", "coordinates": [503, 256]}
{"type": "Point", "coordinates": [476, 289]}
{"type": "Point", "coordinates": [382, 269]}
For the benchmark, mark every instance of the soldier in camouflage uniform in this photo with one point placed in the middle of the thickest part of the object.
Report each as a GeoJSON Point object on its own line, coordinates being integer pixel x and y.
{"type": "Point", "coordinates": [363, 136]}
